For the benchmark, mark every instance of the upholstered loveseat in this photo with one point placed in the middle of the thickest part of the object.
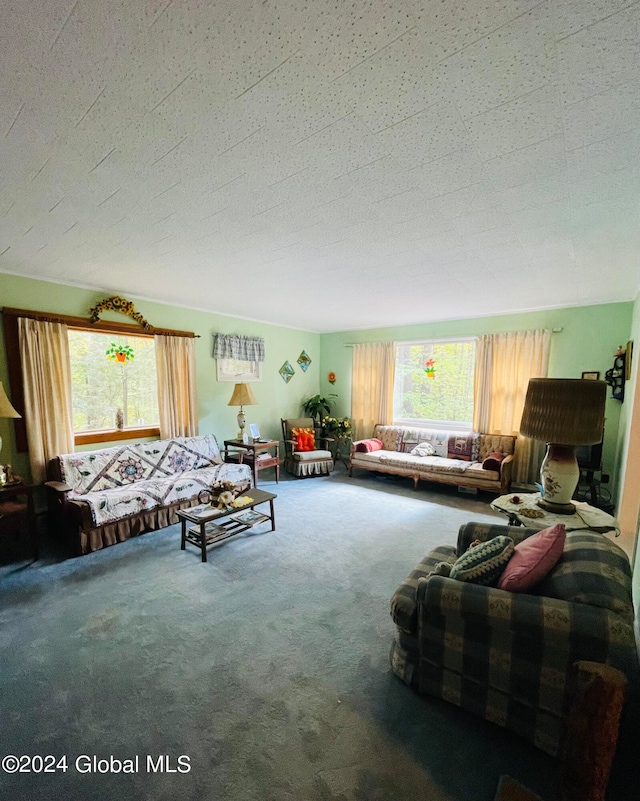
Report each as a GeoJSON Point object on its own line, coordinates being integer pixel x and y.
{"type": "Point", "coordinates": [102, 497]}
{"type": "Point", "coordinates": [482, 461]}
{"type": "Point", "coordinates": [509, 656]}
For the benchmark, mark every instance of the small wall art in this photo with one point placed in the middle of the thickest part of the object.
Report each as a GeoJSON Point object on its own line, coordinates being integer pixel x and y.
{"type": "Point", "coordinates": [238, 370]}
{"type": "Point", "coordinates": [287, 372]}
{"type": "Point", "coordinates": [304, 361]}
{"type": "Point", "coordinates": [593, 375]}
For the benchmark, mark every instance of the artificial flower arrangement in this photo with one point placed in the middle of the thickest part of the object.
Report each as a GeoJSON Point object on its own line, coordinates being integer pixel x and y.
{"type": "Point", "coordinates": [338, 427]}
{"type": "Point", "coordinates": [224, 495]}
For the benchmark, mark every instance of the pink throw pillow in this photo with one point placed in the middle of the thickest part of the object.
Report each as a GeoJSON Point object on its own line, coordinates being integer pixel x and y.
{"type": "Point", "coordinates": [533, 558]}
{"type": "Point", "coordinates": [368, 445]}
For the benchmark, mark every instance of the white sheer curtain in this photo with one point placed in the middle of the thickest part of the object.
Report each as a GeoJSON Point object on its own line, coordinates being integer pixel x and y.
{"type": "Point", "coordinates": [46, 374]}
{"type": "Point", "coordinates": [175, 368]}
{"type": "Point", "coordinates": [372, 380]}
{"type": "Point", "coordinates": [504, 364]}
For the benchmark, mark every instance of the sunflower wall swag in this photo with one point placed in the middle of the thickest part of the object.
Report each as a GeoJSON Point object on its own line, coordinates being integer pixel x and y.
{"type": "Point", "coordinates": [120, 305]}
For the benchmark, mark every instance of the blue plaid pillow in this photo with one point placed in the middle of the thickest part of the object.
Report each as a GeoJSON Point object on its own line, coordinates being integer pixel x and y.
{"type": "Point", "coordinates": [484, 563]}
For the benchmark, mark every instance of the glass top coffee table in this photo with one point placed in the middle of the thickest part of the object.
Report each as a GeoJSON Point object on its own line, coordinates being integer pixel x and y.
{"type": "Point", "coordinates": [210, 525]}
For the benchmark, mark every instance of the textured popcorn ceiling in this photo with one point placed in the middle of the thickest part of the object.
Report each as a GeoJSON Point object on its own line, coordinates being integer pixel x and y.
{"type": "Point", "coordinates": [327, 165]}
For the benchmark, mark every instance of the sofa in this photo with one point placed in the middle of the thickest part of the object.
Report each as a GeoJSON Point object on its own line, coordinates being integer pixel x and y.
{"type": "Point", "coordinates": [480, 461]}
{"type": "Point", "coordinates": [509, 656]}
{"type": "Point", "coordinates": [101, 497]}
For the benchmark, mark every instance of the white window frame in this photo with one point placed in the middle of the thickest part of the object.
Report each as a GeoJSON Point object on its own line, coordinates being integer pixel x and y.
{"type": "Point", "coordinates": [114, 434]}
{"type": "Point", "coordinates": [438, 425]}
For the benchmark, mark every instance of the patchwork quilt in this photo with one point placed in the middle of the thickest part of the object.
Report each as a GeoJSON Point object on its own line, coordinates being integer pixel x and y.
{"type": "Point", "coordinates": [122, 481]}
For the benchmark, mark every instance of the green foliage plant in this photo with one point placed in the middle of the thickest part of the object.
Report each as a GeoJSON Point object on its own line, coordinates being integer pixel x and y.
{"type": "Point", "coordinates": [319, 405]}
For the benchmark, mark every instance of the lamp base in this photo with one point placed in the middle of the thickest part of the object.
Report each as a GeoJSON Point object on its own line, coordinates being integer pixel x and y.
{"type": "Point", "coordinates": [242, 421]}
{"type": "Point", "coordinates": [559, 476]}
{"type": "Point", "coordinates": [557, 508]}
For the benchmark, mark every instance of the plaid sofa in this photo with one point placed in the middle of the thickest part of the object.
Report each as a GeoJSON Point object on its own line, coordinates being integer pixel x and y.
{"type": "Point", "coordinates": [457, 457]}
{"type": "Point", "coordinates": [508, 657]}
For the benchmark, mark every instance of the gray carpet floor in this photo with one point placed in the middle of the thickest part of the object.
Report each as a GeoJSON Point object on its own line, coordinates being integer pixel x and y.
{"type": "Point", "coordinates": [267, 666]}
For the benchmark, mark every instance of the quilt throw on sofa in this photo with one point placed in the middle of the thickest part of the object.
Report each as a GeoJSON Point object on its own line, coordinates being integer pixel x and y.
{"type": "Point", "coordinates": [118, 482]}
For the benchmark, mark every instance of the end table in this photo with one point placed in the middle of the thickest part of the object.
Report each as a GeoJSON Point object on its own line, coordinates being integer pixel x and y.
{"type": "Point", "coordinates": [527, 513]}
{"type": "Point", "coordinates": [254, 454]}
{"type": "Point", "coordinates": [17, 510]}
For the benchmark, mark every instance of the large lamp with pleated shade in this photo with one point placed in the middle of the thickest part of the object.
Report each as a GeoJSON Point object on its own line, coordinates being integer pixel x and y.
{"type": "Point", "coordinates": [564, 413]}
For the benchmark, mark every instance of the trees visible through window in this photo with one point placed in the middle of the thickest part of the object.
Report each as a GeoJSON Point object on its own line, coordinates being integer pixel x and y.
{"type": "Point", "coordinates": [113, 381]}
{"type": "Point", "coordinates": [434, 384]}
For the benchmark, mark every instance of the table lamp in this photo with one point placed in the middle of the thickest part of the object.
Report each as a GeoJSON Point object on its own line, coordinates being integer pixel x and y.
{"type": "Point", "coordinates": [564, 413]}
{"type": "Point", "coordinates": [242, 396]}
{"type": "Point", "coordinates": [6, 410]}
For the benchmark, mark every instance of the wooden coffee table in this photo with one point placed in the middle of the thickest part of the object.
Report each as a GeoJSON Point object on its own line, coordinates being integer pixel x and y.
{"type": "Point", "coordinates": [210, 525]}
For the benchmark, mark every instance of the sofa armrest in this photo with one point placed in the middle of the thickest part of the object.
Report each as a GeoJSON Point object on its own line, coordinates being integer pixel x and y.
{"type": "Point", "coordinates": [59, 506]}
{"type": "Point", "coordinates": [506, 470]}
{"type": "Point", "coordinates": [59, 489]}
{"type": "Point", "coordinates": [469, 532]}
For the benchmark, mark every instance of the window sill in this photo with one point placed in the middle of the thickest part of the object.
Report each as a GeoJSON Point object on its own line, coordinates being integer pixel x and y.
{"type": "Point", "coordinates": [438, 425]}
{"type": "Point", "coordinates": [115, 434]}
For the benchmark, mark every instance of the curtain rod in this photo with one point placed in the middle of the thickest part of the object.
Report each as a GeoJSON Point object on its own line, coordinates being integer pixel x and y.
{"type": "Point", "coordinates": [102, 326]}
{"type": "Point", "coordinates": [447, 339]}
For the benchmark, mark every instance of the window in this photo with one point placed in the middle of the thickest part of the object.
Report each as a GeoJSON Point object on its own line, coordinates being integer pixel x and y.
{"type": "Point", "coordinates": [113, 380]}
{"type": "Point", "coordinates": [434, 384]}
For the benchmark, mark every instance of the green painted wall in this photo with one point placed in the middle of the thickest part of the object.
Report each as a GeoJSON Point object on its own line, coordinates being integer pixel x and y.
{"type": "Point", "coordinates": [275, 398]}
{"type": "Point", "coordinates": [588, 340]}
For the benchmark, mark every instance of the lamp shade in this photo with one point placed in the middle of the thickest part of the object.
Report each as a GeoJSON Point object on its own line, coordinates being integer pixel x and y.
{"type": "Point", "coordinates": [567, 411]}
{"type": "Point", "coordinates": [242, 396]}
{"type": "Point", "coordinates": [6, 409]}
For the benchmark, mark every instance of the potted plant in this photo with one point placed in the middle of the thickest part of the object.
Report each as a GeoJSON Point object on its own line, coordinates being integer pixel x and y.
{"type": "Point", "coordinates": [319, 405]}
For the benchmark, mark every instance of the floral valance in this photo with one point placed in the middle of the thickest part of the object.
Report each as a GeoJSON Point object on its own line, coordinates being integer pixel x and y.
{"type": "Point", "coordinates": [248, 349]}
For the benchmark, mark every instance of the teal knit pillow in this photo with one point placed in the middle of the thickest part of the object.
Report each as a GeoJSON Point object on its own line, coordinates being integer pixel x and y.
{"type": "Point", "coordinates": [483, 564]}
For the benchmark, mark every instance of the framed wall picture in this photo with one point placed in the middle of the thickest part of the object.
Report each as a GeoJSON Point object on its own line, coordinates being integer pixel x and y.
{"type": "Point", "coordinates": [238, 371]}
{"type": "Point", "coordinates": [627, 362]}
{"type": "Point", "coordinates": [593, 375]}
